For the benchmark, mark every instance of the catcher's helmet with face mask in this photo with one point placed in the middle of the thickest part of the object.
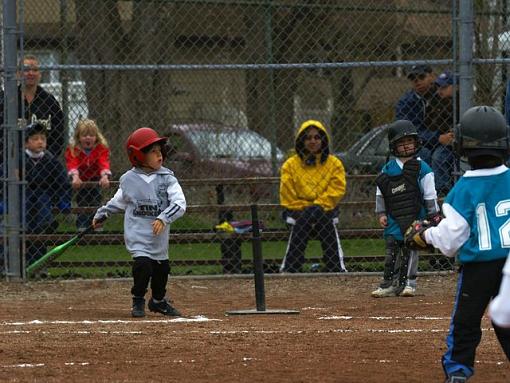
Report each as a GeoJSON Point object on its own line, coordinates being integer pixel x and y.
{"type": "Point", "coordinates": [139, 140]}
{"type": "Point", "coordinates": [482, 130]}
{"type": "Point", "coordinates": [398, 130]}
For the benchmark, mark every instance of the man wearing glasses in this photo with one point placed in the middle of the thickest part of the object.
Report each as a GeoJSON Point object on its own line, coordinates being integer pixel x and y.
{"type": "Point", "coordinates": [39, 105]}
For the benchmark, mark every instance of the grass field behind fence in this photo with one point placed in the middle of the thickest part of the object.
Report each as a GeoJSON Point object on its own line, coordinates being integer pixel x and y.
{"type": "Point", "coordinates": [270, 251]}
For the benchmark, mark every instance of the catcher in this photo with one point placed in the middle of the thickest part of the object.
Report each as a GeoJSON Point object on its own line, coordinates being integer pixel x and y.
{"type": "Point", "coordinates": [405, 190]}
{"type": "Point", "coordinates": [476, 227]}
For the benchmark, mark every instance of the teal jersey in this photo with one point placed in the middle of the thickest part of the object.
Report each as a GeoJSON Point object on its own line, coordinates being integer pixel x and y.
{"type": "Point", "coordinates": [425, 181]}
{"type": "Point", "coordinates": [484, 202]}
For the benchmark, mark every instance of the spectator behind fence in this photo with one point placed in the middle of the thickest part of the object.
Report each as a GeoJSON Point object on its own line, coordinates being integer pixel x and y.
{"type": "Point", "coordinates": [39, 105]}
{"type": "Point", "coordinates": [312, 184]}
{"type": "Point", "coordinates": [151, 198]}
{"type": "Point", "coordinates": [475, 232]}
{"type": "Point", "coordinates": [47, 187]}
{"type": "Point", "coordinates": [441, 120]}
{"type": "Point", "coordinates": [88, 159]}
{"type": "Point", "coordinates": [405, 190]}
{"type": "Point", "coordinates": [415, 106]}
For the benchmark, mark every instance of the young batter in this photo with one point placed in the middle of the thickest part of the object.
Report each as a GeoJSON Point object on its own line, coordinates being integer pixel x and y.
{"type": "Point", "coordinates": [151, 198]}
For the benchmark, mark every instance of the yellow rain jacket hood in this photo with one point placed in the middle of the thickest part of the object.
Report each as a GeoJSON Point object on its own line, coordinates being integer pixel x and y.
{"type": "Point", "coordinates": [299, 144]}
{"type": "Point", "coordinates": [307, 180]}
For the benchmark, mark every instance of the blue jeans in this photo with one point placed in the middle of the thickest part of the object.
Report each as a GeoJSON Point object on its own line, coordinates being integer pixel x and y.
{"type": "Point", "coordinates": [443, 165]}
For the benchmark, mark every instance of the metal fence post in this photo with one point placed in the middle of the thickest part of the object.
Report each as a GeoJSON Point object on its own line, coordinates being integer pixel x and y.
{"type": "Point", "coordinates": [466, 21]}
{"type": "Point", "coordinates": [12, 142]}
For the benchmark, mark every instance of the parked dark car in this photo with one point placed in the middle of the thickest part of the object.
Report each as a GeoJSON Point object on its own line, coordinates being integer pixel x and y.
{"type": "Point", "coordinates": [367, 155]}
{"type": "Point", "coordinates": [211, 150]}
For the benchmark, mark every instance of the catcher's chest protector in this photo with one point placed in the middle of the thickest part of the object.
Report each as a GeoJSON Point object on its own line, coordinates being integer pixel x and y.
{"type": "Point", "coordinates": [402, 195]}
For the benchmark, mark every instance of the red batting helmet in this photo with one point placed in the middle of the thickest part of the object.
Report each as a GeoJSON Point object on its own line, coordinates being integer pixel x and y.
{"type": "Point", "coordinates": [139, 140]}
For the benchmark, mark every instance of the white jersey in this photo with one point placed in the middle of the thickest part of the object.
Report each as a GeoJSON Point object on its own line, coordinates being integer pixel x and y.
{"type": "Point", "coordinates": [143, 198]}
{"type": "Point", "coordinates": [499, 309]}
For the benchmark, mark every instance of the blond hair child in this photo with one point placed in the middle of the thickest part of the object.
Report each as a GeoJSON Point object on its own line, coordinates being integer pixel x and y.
{"type": "Point", "coordinates": [88, 159]}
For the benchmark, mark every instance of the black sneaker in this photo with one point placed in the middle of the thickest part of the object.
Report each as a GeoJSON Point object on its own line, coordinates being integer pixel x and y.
{"type": "Point", "coordinates": [164, 308]}
{"type": "Point", "coordinates": [138, 310]}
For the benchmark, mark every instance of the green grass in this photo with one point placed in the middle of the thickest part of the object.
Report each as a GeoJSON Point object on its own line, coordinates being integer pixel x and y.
{"type": "Point", "coordinates": [270, 250]}
{"type": "Point", "coordinates": [351, 247]}
{"type": "Point", "coordinates": [206, 251]}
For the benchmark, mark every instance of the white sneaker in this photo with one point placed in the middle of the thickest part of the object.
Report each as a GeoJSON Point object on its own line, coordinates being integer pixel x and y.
{"type": "Point", "coordinates": [409, 291]}
{"type": "Point", "coordinates": [384, 292]}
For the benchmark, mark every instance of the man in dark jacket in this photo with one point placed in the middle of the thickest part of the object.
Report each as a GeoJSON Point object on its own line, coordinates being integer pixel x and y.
{"type": "Point", "coordinates": [40, 105]}
{"type": "Point", "coordinates": [415, 105]}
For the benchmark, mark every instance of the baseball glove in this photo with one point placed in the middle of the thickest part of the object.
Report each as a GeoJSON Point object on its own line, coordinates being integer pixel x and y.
{"type": "Point", "coordinates": [413, 237]}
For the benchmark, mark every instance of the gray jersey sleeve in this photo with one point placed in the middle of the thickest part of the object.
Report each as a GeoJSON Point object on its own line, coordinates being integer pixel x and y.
{"type": "Point", "coordinates": [177, 205]}
{"type": "Point", "coordinates": [116, 205]}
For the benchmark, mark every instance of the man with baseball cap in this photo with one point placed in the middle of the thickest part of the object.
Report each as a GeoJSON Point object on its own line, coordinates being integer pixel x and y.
{"type": "Point", "coordinates": [444, 80]}
{"type": "Point", "coordinates": [418, 70]}
{"type": "Point", "coordinates": [414, 106]}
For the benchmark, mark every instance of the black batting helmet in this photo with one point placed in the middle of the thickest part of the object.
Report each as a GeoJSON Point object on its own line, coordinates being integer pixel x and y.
{"type": "Point", "coordinates": [400, 129]}
{"type": "Point", "coordinates": [482, 130]}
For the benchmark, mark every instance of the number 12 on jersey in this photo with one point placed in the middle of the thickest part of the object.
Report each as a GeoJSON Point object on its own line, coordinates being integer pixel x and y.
{"type": "Point", "coordinates": [502, 209]}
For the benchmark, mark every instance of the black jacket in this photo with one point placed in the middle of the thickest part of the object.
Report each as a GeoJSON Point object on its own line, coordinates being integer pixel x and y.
{"type": "Point", "coordinates": [43, 105]}
{"type": "Point", "coordinates": [47, 186]}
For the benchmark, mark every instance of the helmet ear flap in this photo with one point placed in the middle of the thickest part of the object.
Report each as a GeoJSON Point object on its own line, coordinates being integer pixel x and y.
{"type": "Point", "coordinates": [134, 156]}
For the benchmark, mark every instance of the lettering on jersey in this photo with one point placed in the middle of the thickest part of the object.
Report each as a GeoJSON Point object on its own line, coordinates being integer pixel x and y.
{"type": "Point", "coordinates": [398, 189]}
{"type": "Point", "coordinates": [147, 208]}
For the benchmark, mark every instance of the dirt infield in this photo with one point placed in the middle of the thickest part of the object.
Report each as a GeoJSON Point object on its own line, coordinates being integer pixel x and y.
{"type": "Point", "coordinates": [83, 332]}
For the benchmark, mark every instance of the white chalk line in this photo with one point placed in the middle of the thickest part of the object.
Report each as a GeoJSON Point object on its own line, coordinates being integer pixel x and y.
{"type": "Point", "coordinates": [240, 332]}
{"type": "Point", "coordinates": [243, 360]}
{"type": "Point", "coordinates": [381, 318]}
{"type": "Point", "coordinates": [201, 318]}
{"type": "Point", "coordinates": [198, 318]}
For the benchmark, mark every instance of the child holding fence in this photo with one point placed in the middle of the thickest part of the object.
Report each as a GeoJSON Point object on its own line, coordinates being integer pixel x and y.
{"type": "Point", "coordinates": [88, 159]}
{"type": "Point", "coordinates": [151, 198]}
{"type": "Point", "coordinates": [47, 187]}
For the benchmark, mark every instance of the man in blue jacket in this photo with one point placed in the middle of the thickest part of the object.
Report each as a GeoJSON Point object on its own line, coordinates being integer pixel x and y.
{"type": "Point", "coordinates": [415, 104]}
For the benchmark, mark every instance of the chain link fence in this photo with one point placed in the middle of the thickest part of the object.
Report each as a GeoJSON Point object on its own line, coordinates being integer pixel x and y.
{"type": "Point", "coordinates": [230, 82]}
